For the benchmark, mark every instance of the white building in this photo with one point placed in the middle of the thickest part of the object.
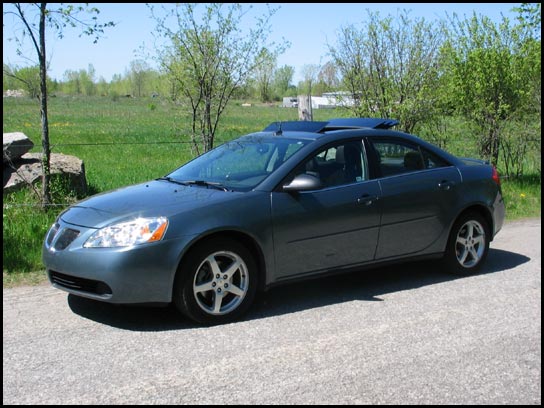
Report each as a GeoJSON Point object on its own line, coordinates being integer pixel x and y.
{"type": "Point", "coordinates": [332, 100]}
{"type": "Point", "coordinates": [289, 102]}
{"type": "Point", "coordinates": [328, 100]}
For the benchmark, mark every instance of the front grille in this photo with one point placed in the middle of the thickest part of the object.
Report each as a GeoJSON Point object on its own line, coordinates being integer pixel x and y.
{"type": "Point", "coordinates": [79, 284]}
{"type": "Point", "coordinates": [59, 239]}
{"type": "Point", "coordinates": [51, 234]}
{"type": "Point", "coordinates": [65, 238]}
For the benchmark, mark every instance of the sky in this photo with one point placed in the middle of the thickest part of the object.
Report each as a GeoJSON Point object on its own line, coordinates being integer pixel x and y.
{"type": "Point", "coordinates": [310, 28]}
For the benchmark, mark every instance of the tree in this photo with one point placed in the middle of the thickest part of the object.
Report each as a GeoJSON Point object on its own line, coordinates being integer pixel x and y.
{"type": "Point", "coordinates": [489, 74]}
{"type": "Point", "coordinates": [80, 82]}
{"type": "Point", "coordinates": [209, 57]}
{"type": "Point", "coordinates": [72, 82]}
{"type": "Point", "coordinates": [530, 16]}
{"type": "Point", "coordinates": [390, 67]}
{"type": "Point", "coordinates": [309, 73]}
{"type": "Point", "coordinates": [328, 76]}
{"type": "Point", "coordinates": [89, 78]}
{"type": "Point", "coordinates": [57, 18]}
{"type": "Point", "coordinates": [119, 86]}
{"type": "Point", "coordinates": [8, 81]}
{"type": "Point", "coordinates": [102, 86]}
{"type": "Point", "coordinates": [139, 71]}
{"type": "Point", "coordinates": [282, 80]}
{"type": "Point", "coordinates": [264, 74]}
{"type": "Point", "coordinates": [28, 77]}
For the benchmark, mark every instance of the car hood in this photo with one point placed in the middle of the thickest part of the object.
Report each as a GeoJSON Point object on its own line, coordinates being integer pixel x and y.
{"type": "Point", "coordinates": [152, 199]}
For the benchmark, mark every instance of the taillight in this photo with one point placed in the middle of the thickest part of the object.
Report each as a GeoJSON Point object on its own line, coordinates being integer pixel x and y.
{"type": "Point", "coordinates": [495, 176]}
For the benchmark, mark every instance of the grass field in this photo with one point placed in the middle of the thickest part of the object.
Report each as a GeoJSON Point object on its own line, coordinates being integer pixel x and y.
{"type": "Point", "coordinates": [131, 140]}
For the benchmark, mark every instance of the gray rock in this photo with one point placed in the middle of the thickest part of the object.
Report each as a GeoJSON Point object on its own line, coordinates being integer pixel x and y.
{"type": "Point", "coordinates": [15, 145]}
{"type": "Point", "coordinates": [28, 170]}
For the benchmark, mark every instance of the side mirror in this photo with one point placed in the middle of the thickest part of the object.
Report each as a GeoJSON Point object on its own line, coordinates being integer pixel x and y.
{"type": "Point", "coordinates": [303, 182]}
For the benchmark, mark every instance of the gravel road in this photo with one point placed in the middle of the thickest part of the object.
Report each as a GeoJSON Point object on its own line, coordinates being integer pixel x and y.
{"type": "Point", "coordinates": [408, 334]}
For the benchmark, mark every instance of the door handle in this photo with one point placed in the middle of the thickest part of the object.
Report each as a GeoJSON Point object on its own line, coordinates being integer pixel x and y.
{"type": "Point", "coordinates": [446, 184]}
{"type": "Point", "coordinates": [367, 199]}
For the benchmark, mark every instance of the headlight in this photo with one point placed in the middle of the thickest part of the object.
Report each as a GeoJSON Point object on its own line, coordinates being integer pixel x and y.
{"type": "Point", "coordinates": [139, 231]}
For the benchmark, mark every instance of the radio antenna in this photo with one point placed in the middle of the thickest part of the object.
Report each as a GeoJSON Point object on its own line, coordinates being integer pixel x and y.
{"type": "Point", "coordinates": [279, 132]}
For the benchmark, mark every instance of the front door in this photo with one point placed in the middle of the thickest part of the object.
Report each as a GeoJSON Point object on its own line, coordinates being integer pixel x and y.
{"type": "Point", "coordinates": [333, 227]}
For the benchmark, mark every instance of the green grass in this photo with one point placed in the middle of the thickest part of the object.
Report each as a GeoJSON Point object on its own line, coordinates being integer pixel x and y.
{"type": "Point", "coordinates": [15, 279]}
{"type": "Point", "coordinates": [522, 197]}
{"type": "Point", "coordinates": [129, 140]}
{"type": "Point", "coordinates": [24, 230]}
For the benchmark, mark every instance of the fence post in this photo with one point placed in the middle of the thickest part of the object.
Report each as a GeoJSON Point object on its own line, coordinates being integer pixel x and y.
{"type": "Point", "coordinates": [305, 108]}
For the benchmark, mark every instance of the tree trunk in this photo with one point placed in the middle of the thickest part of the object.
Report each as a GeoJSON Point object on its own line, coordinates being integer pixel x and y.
{"type": "Point", "coordinates": [46, 160]}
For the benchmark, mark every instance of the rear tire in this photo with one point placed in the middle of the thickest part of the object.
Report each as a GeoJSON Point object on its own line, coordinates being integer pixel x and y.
{"type": "Point", "coordinates": [216, 282]}
{"type": "Point", "coordinates": [468, 244]}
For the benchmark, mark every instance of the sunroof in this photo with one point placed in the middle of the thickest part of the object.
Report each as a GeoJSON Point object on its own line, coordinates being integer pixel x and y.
{"type": "Point", "coordinates": [333, 124]}
{"type": "Point", "coordinates": [296, 126]}
{"type": "Point", "coordinates": [373, 123]}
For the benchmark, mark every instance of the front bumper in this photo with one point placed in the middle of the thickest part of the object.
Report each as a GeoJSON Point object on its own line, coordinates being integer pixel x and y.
{"type": "Point", "coordinates": [138, 274]}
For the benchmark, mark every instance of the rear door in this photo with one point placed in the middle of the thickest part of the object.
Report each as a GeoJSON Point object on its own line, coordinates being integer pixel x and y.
{"type": "Point", "coordinates": [418, 189]}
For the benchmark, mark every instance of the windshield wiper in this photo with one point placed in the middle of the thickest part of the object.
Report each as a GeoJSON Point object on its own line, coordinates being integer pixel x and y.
{"type": "Point", "coordinates": [204, 183]}
{"type": "Point", "coordinates": [172, 180]}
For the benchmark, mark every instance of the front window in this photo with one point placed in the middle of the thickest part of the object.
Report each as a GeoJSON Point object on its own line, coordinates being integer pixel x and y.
{"type": "Point", "coordinates": [338, 164]}
{"type": "Point", "coordinates": [241, 164]}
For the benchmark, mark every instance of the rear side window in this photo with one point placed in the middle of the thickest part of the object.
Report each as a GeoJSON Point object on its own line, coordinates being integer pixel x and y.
{"type": "Point", "coordinates": [398, 157]}
{"type": "Point", "coordinates": [432, 160]}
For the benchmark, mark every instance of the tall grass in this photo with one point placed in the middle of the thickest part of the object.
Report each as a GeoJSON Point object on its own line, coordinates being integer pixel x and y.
{"type": "Point", "coordinates": [127, 141]}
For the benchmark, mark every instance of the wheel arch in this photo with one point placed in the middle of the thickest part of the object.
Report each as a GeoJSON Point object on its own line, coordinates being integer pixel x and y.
{"type": "Point", "coordinates": [479, 209]}
{"type": "Point", "coordinates": [243, 238]}
{"type": "Point", "coordinates": [450, 259]}
{"type": "Point", "coordinates": [482, 210]}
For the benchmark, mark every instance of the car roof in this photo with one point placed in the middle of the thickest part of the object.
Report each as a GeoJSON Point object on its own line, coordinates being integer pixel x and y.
{"type": "Point", "coordinates": [313, 130]}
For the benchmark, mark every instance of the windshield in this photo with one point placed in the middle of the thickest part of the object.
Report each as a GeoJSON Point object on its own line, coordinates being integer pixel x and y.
{"type": "Point", "coordinates": [238, 165]}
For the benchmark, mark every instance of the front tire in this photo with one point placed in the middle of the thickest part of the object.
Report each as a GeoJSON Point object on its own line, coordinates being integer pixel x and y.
{"type": "Point", "coordinates": [217, 282]}
{"type": "Point", "coordinates": [468, 244]}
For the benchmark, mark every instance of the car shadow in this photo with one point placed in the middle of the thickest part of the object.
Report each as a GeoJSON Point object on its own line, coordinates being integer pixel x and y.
{"type": "Point", "coordinates": [130, 317]}
{"type": "Point", "coordinates": [363, 285]}
{"type": "Point", "coordinates": [368, 284]}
